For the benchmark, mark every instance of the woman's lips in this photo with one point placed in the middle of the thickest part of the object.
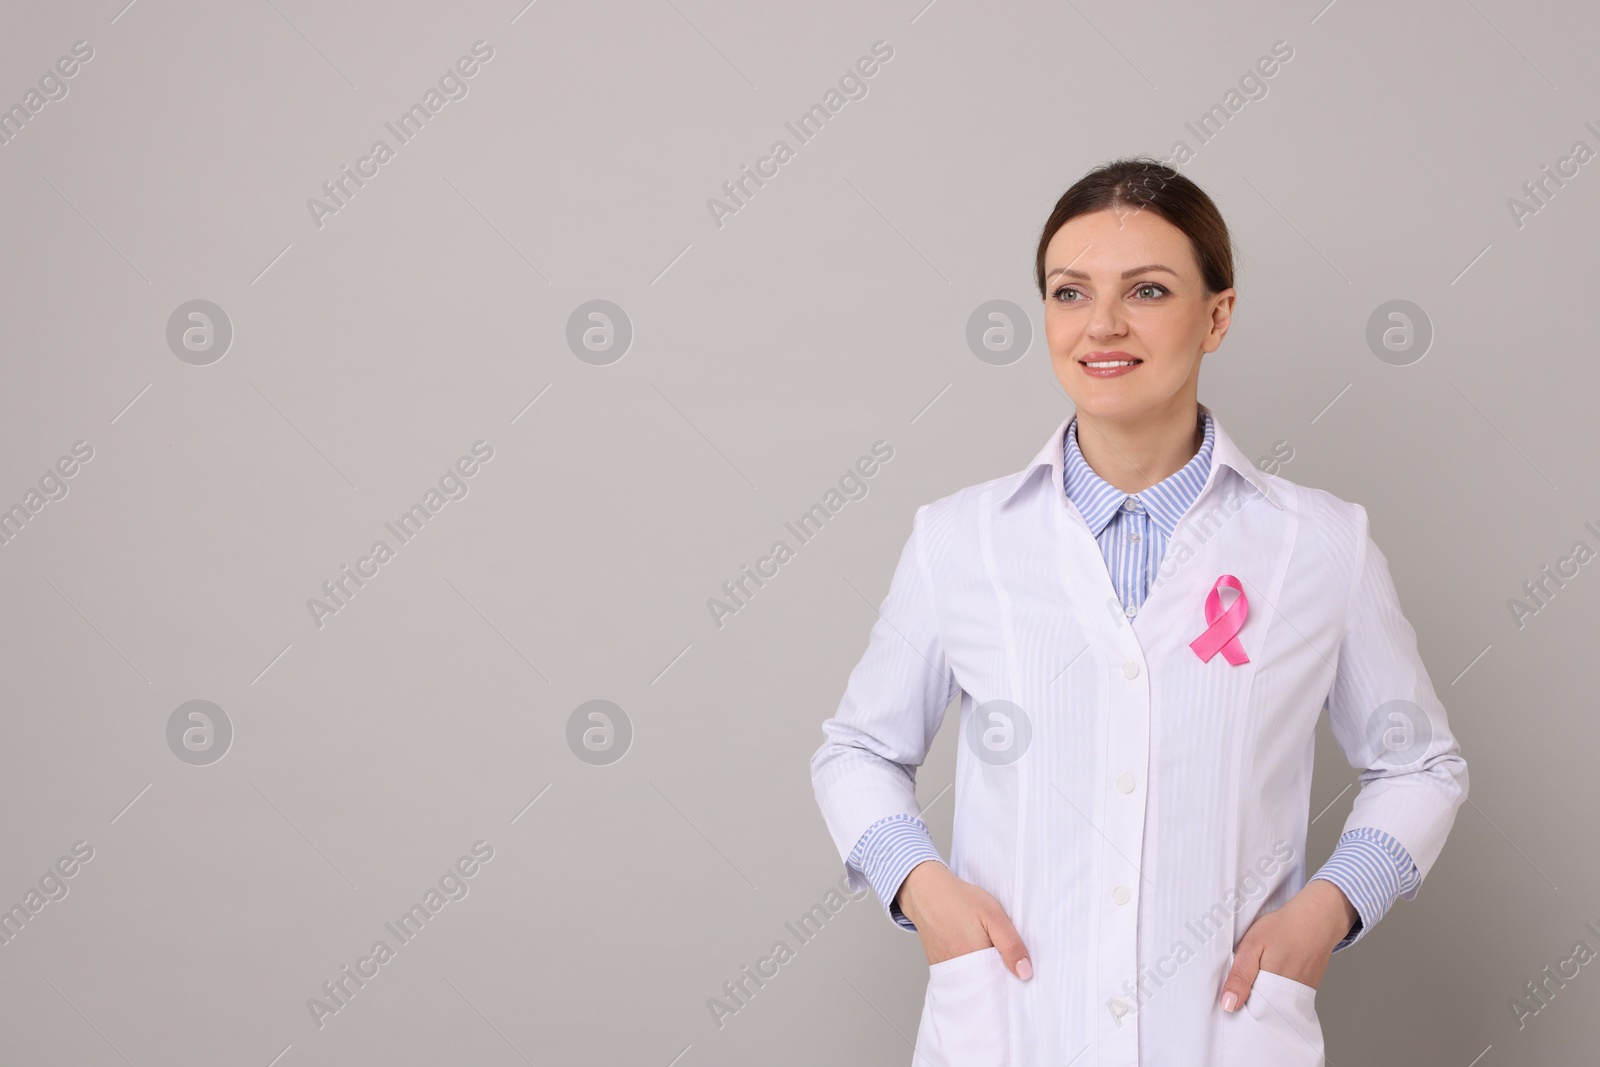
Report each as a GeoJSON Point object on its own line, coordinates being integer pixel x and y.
{"type": "Point", "coordinates": [1109, 365]}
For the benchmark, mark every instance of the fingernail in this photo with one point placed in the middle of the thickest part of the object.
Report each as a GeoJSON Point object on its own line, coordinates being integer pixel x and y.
{"type": "Point", "coordinates": [1024, 969]}
{"type": "Point", "coordinates": [1230, 1000]}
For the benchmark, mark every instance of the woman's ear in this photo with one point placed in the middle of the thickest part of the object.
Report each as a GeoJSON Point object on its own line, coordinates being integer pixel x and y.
{"type": "Point", "coordinates": [1221, 319]}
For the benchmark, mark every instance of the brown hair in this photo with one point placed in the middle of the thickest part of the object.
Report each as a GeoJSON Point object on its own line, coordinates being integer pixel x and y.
{"type": "Point", "coordinates": [1140, 182]}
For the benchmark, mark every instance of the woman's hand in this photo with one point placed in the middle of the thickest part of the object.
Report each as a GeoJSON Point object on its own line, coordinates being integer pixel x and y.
{"type": "Point", "coordinates": [954, 918]}
{"type": "Point", "coordinates": [1295, 941]}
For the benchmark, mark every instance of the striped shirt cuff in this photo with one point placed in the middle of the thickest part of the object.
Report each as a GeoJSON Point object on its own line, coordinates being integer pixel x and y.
{"type": "Point", "coordinates": [887, 852]}
{"type": "Point", "coordinates": [1372, 869]}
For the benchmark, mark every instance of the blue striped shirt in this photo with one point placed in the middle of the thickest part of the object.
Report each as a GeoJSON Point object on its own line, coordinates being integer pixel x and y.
{"type": "Point", "coordinates": [1370, 867]}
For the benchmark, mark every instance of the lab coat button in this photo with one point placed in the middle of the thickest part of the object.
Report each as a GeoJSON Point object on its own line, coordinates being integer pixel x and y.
{"type": "Point", "coordinates": [1130, 669]}
{"type": "Point", "coordinates": [1120, 894]}
{"type": "Point", "coordinates": [1118, 1006]}
{"type": "Point", "coordinates": [1125, 782]}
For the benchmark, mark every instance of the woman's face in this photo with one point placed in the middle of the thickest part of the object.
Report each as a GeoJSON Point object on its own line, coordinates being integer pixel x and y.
{"type": "Point", "coordinates": [1120, 285]}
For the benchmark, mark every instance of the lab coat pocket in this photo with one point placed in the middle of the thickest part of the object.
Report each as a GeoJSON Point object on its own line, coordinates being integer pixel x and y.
{"type": "Point", "coordinates": [1276, 1027]}
{"type": "Point", "coordinates": [965, 1022]}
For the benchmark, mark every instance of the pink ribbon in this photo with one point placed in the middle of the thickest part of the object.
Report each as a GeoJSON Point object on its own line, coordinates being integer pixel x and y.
{"type": "Point", "coordinates": [1222, 629]}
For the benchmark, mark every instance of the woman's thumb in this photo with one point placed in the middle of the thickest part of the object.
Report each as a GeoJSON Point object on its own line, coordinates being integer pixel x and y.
{"type": "Point", "coordinates": [1009, 942]}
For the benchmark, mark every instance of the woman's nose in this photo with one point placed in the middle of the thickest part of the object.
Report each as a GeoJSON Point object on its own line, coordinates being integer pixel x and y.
{"type": "Point", "coordinates": [1105, 323]}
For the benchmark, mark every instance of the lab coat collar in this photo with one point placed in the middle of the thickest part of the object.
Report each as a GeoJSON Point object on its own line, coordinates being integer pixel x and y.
{"type": "Point", "coordinates": [1224, 453]}
{"type": "Point", "coordinates": [1165, 502]}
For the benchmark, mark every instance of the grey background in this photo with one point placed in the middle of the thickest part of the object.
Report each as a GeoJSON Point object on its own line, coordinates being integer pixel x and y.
{"type": "Point", "coordinates": [767, 356]}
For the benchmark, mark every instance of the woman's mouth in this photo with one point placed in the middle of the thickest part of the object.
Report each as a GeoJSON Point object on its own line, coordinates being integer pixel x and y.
{"type": "Point", "coordinates": [1108, 364]}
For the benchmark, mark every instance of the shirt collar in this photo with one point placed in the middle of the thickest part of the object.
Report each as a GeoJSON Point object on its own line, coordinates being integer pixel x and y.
{"type": "Point", "coordinates": [1224, 455]}
{"type": "Point", "coordinates": [1166, 501]}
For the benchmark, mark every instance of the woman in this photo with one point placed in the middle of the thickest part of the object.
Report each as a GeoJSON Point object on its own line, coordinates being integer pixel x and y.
{"type": "Point", "coordinates": [1143, 629]}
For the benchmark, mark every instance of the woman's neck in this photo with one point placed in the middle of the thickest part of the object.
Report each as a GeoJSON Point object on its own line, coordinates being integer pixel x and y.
{"type": "Point", "coordinates": [1135, 456]}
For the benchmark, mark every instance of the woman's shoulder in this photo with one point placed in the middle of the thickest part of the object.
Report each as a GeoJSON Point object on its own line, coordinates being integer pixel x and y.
{"type": "Point", "coordinates": [1313, 499]}
{"type": "Point", "coordinates": [955, 509]}
{"type": "Point", "coordinates": [950, 525]}
{"type": "Point", "coordinates": [1322, 515]}
{"type": "Point", "coordinates": [966, 501]}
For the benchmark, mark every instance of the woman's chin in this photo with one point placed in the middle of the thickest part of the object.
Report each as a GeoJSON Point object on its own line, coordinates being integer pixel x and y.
{"type": "Point", "coordinates": [1108, 403]}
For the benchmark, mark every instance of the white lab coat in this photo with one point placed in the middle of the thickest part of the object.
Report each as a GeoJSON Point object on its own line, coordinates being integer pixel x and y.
{"type": "Point", "coordinates": [1133, 808]}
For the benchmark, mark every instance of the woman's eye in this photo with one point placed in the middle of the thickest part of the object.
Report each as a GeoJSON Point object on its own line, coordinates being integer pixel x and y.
{"type": "Point", "coordinates": [1155, 291]}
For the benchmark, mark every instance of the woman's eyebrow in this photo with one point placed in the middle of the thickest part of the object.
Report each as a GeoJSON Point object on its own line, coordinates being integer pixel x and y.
{"type": "Point", "coordinates": [1071, 273]}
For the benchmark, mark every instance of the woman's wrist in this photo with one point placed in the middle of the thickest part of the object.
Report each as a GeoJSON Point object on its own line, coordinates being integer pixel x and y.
{"type": "Point", "coordinates": [919, 877]}
{"type": "Point", "coordinates": [1331, 902]}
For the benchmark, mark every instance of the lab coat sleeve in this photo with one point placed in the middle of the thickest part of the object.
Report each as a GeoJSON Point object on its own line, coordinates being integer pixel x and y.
{"type": "Point", "coordinates": [892, 707]}
{"type": "Point", "coordinates": [1390, 723]}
